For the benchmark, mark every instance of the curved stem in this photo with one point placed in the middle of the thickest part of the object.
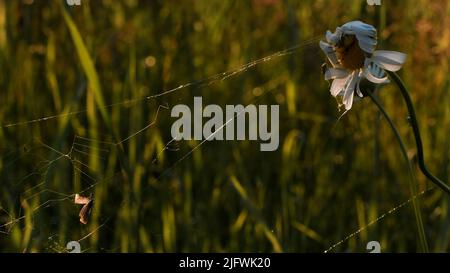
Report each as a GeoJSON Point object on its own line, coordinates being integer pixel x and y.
{"type": "Point", "coordinates": [412, 180]}
{"type": "Point", "coordinates": [415, 127]}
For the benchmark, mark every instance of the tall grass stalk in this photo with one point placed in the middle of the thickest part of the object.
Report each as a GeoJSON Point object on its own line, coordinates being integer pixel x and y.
{"type": "Point", "coordinates": [412, 180]}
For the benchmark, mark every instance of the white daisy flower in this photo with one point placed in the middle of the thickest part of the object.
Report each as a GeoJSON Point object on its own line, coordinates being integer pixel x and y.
{"type": "Point", "coordinates": [351, 52]}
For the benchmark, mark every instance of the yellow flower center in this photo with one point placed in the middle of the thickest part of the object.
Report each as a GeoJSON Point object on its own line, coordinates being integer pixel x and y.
{"type": "Point", "coordinates": [349, 54]}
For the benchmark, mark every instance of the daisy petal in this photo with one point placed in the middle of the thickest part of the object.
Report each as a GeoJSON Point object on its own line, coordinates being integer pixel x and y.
{"type": "Point", "coordinates": [349, 91]}
{"type": "Point", "coordinates": [366, 43]}
{"type": "Point", "coordinates": [389, 60]}
{"type": "Point", "coordinates": [335, 73]}
{"type": "Point", "coordinates": [333, 38]}
{"type": "Point", "coordinates": [365, 34]}
{"type": "Point", "coordinates": [358, 90]}
{"type": "Point", "coordinates": [329, 51]}
{"type": "Point", "coordinates": [361, 28]}
{"type": "Point", "coordinates": [337, 86]}
{"type": "Point", "coordinates": [373, 78]}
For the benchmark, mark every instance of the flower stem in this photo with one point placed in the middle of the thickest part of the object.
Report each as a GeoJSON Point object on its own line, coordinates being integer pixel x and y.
{"type": "Point", "coordinates": [416, 131]}
{"type": "Point", "coordinates": [412, 180]}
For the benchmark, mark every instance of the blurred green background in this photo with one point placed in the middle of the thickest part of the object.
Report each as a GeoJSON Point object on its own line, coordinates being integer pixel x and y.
{"type": "Point", "coordinates": [326, 180]}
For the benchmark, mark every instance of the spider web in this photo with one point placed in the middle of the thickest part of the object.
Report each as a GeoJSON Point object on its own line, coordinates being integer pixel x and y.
{"type": "Point", "coordinates": [82, 148]}
{"type": "Point", "coordinates": [378, 219]}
